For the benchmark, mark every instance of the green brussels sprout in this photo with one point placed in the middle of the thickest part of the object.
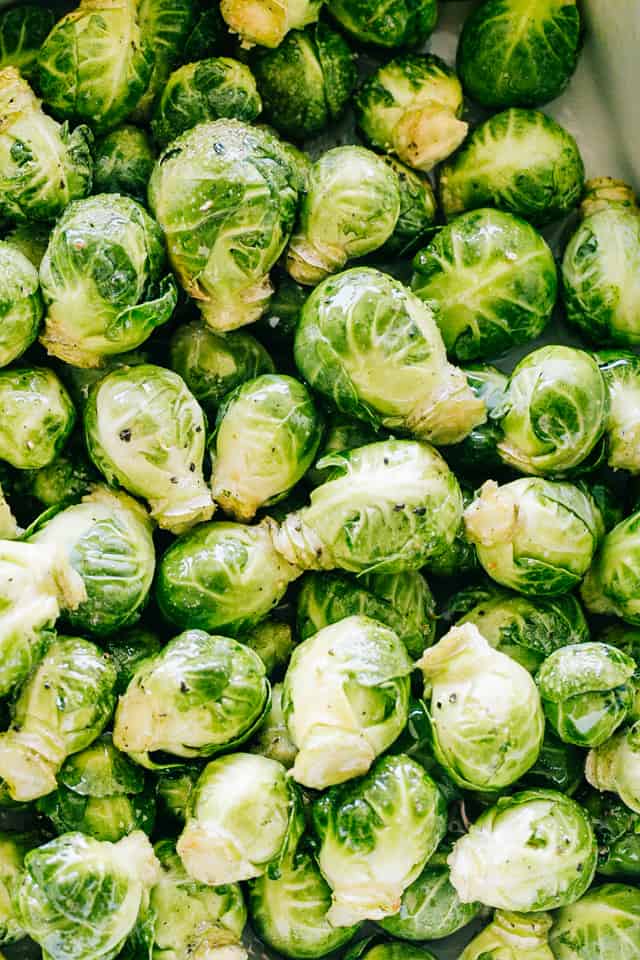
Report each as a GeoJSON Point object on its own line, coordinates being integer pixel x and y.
{"type": "Point", "coordinates": [165, 27]}
{"type": "Point", "coordinates": [234, 795]}
{"type": "Point", "coordinates": [273, 642]}
{"type": "Point", "coordinates": [617, 830]}
{"type": "Point", "coordinates": [621, 372]}
{"type": "Point", "coordinates": [70, 476]}
{"type": "Point", "coordinates": [145, 431]}
{"type": "Point", "coordinates": [267, 23]}
{"type": "Point", "coordinates": [341, 433]}
{"type": "Point", "coordinates": [403, 23]}
{"type": "Point", "coordinates": [23, 30]}
{"type": "Point", "coordinates": [96, 64]}
{"type": "Point", "coordinates": [461, 555]}
{"type": "Point", "coordinates": [557, 406]}
{"type": "Point", "coordinates": [43, 165]}
{"type": "Point", "coordinates": [350, 208]}
{"type": "Point", "coordinates": [520, 161]}
{"type": "Point", "coordinates": [278, 324]}
{"type": "Point", "coordinates": [173, 791]}
{"type": "Point", "coordinates": [205, 90]}
{"type": "Point", "coordinates": [417, 218]}
{"type": "Point", "coordinates": [36, 417]}
{"type": "Point", "coordinates": [102, 280]}
{"type": "Point", "coordinates": [81, 380]}
{"type": "Point", "coordinates": [627, 639]}
{"type": "Point", "coordinates": [612, 585]}
{"type": "Point", "coordinates": [587, 692]}
{"type": "Point", "coordinates": [13, 849]}
{"type": "Point", "coordinates": [345, 699]}
{"type": "Point", "coordinates": [401, 601]}
{"type": "Point", "coordinates": [226, 195]}
{"type": "Point", "coordinates": [478, 452]}
{"type": "Point", "coordinates": [305, 83]}
{"type": "Point", "coordinates": [222, 576]}
{"type": "Point", "coordinates": [384, 508]}
{"type": "Point", "coordinates": [603, 925]}
{"type": "Point", "coordinates": [560, 766]}
{"type": "Point", "coordinates": [124, 160]}
{"type": "Point", "coordinates": [65, 703]}
{"type": "Point", "coordinates": [494, 280]}
{"type": "Point", "coordinates": [31, 239]}
{"type": "Point", "coordinates": [100, 793]}
{"type": "Point", "coordinates": [207, 34]}
{"type": "Point", "coordinates": [373, 948]}
{"type": "Point", "coordinates": [21, 306]}
{"type": "Point", "coordinates": [536, 536]}
{"type": "Point", "coordinates": [615, 766]}
{"type": "Point", "coordinates": [486, 715]}
{"type": "Point", "coordinates": [195, 697]}
{"type": "Point", "coordinates": [369, 861]}
{"type": "Point", "coordinates": [411, 107]}
{"type": "Point", "coordinates": [371, 346]}
{"type": "Point", "coordinates": [82, 897]}
{"type": "Point", "coordinates": [266, 437]}
{"type": "Point", "coordinates": [416, 741]}
{"type": "Point", "coordinates": [272, 739]}
{"type": "Point", "coordinates": [127, 649]}
{"type": "Point", "coordinates": [513, 53]}
{"type": "Point", "coordinates": [512, 936]}
{"type": "Point", "coordinates": [108, 540]}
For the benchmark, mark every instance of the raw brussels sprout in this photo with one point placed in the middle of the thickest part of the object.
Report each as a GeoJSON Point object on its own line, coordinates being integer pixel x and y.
{"type": "Point", "coordinates": [385, 508]}
{"type": "Point", "coordinates": [23, 30]}
{"type": "Point", "coordinates": [341, 433]}
{"type": "Point", "coordinates": [373, 948]}
{"type": "Point", "coordinates": [494, 280]}
{"type": "Point", "coordinates": [534, 535]}
{"type": "Point", "coordinates": [272, 739]}
{"type": "Point", "coordinates": [371, 346]}
{"type": "Point", "coordinates": [207, 35]}
{"type": "Point", "coordinates": [63, 706]}
{"type": "Point", "coordinates": [145, 431]}
{"type": "Point", "coordinates": [603, 925]}
{"type": "Point", "coordinates": [600, 267]}
{"type": "Point", "coordinates": [81, 380]}
{"type": "Point", "coordinates": [514, 53]}
{"type": "Point", "coordinates": [403, 23]}
{"type": "Point", "coordinates": [615, 766]}
{"type": "Point", "coordinates": [477, 454]}
{"type": "Point", "coordinates": [266, 437]}
{"type": "Point", "coordinates": [278, 324]}
{"type": "Point", "coordinates": [617, 831]}
{"type": "Point", "coordinates": [226, 195]}
{"type": "Point", "coordinates": [627, 639]}
{"type": "Point", "coordinates": [621, 372]}
{"type": "Point", "coordinates": [520, 161]}
{"type": "Point", "coordinates": [21, 306]}
{"type": "Point", "coordinates": [165, 27]}
{"type": "Point", "coordinates": [222, 577]}
{"type": "Point", "coordinates": [108, 540]}
{"type": "Point", "coordinates": [81, 897]}
{"type": "Point", "coordinates": [273, 642]}
{"type": "Point", "coordinates": [36, 417]}
{"type": "Point", "coordinates": [350, 208]}
{"type": "Point", "coordinates": [461, 555]}
{"type": "Point", "coordinates": [197, 696]}
{"type": "Point", "coordinates": [13, 849]}
{"type": "Point", "coordinates": [345, 699]}
{"type": "Point", "coordinates": [416, 741]}
{"type": "Point", "coordinates": [512, 936]}
{"type": "Point", "coordinates": [96, 64]}
{"type": "Point", "coordinates": [233, 796]}
{"type": "Point", "coordinates": [173, 791]}
{"type": "Point", "coordinates": [411, 107]}
{"type": "Point", "coordinates": [102, 280]}
{"type": "Point", "coordinates": [306, 83]}
{"type": "Point", "coordinates": [587, 691]}
{"type": "Point", "coordinates": [486, 715]}
{"type": "Point", "coordinates": [100, 793]}
{"type": "Point", "coordinates": [401, 601]}
{"type": "Point", "coordinates": [556, 411]}
{"type": "Point", "coordinates": [205, 90]}
{"type": "Point", "coordinates": [127, 649]}
{"type": "Point", "coordinates": [43, 165]}
{"type": "Point", "coordinates": [268, 23]}
{"type": "Point", "coordinates": [417, 216]}
{"type": "Point", "coordinates": [31, 239]}
{"type": "Point", "coordinates": [69, 477]}
{"type": "Point", "coordinates": [560, 766]}
{"type": "Point", "coordinates": [124, 160]}
{"type": "Point", "coordinates": [400, 818]}
{"type": "Point", "coordinates": [612, 585]}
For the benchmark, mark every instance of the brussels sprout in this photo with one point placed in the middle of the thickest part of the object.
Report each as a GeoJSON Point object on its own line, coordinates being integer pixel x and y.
{"type": "Point", "coordinates": [417, 216]}
{"type": "Point", "coordinates": [478, 452]}
{"type": "Point", "coordinates": [127, 649]}
{"type": "Point", "coordinates": [21, 306]}
{"type": "Point", "coordinates": [385, 508]}
{"type": "Point", "coordinates": [222, 576]}
{"type": "Point", "coordinates": [268, 23]}
{"type": "Point", "coordinates": [487, 719]}
{"type": "Point", "coordinates": [226, 195]}
{"type": "Point", "coordinates": [207, 35]}
{"type": "Point", "coordinates": [266, 436]}
{"type": "Point", "coordinates": [234, 794]}
{"type": "Point", "coordinates": [124, 160]}
{"type": "Point", "coordinates": [615, 766]}
{"type": "Point", "coordinates": [411, 107]}
{"type": "Point", "coordinates": [372, 948]}
{"type": "Point", "coordinates": [31, 239]}
{"type": "Point", "coordinates": [63, 706]}
{"type": "Point", "coordinates": [560, 766]}
{"type": "Point", "coordinates": [461, 555]}
{"type": "Point", "coordinates": [145, 431]}
{"type": "Point", "coordinates": [349, 209]}
{"type": "Point", "coordinates": [197, 696]}
{"type": "Point", "coordinates": [13, 849]}
{"type": "Point", "coordinates": [278, 324]}
{"type": "Point", "coordinates": [532, 851]}
{"type": "Point", "coordinates": [514, 53]}
{"type": "Point", "coordinates": [81, 897]}
{"type": "Point", "coordinates": [621, 372]}
{"type": "Point", "coordinates": [512, 936]}
{"type": "Point", "coordinates": [617, 831]}
{"type": "Point", "coordinates": [494, 280]}
{"type": "Point", "coordinates": [533, 535]}
{"type": "Point", "coordinates": [81, 380]}
{"type": "Point", "coordinates": [95, 64]}
{"type": "Point", "coordinates": [22, 32]}
{"type": "Point", "coordinates": [273, 642]}
{"type": "Point", "coordinates": [612, 585]}
{"type": "Point", "coordinates": [369, 344]}
{"type": "Point", "coordinates": [43, 166]}
{"type": "Point", "coordinates": [341, 433]}
{"type": "Point", "coordinates": [108, 541]}
{"type": "Point", "coordinates": [102, 281]}
{"type": "Point", "coordinates": [401, 601]}
{"type": "Point", "coordinates": [603, 925]}
{"type": "Point", "coordinates": [400, 818]}
{"type": "Point", "coordinates": [173, 791]}
{"type": "Point", "coordinates": [403, 23]}
{"type": "Point", "coordinates": [272, 739]}
{"type": "Point", "coordinates": [627, 639]}
{"type": "Point", "coordinates": [36, 417]}
{"type": "Point", "coordinates": [345, 699]}
{"type": "Point", "coordinates": [165, 27]}
{"type": "Point", "coordinates": [69, 477]}
{"type": "Point", "coordinates": [520, 161]}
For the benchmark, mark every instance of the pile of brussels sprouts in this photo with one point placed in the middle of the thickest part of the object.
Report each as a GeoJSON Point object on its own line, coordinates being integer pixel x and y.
{"type": "Point", "coordinates": [319, 618]}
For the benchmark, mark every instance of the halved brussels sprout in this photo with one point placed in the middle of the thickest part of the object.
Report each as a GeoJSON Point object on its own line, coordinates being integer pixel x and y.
{"type": "Point", "coordinates": [244, 815]}
{"type": "Point", "coordinates": [477, 454]}
{"type": "Point", "coordinates": [520, 161]}
{"type": "Point", "coordinates": [13, 849]}
{"type": "Point", "coordinates": [350, 208]}
{"type": "Point", "coordinates": [617, 831]}
{"type": "Point", "coordinates": [345, 699]}
{"type": "Point", "coordinates": [615, 766]}
{"type": "Point", "coordinates": [612, 585]}
{"type": "Point", "coordinates": [23, 30]}
{"type": "Point", "coordinates": [374, 948]}
{"type": "Point", "coordinates": [197, 696]}
{"type": "Point", "coordinates": [411, 107]}
{"type": "Point", "coordinates": [145, 431]}
{"type": "Point", "coordinates": [621, 372]}
{"type": "Point", "coordinates": [273, 641]}
{"type": "Point", "coordinates": [166, 27]}
{"type": "Point", "coordinates": [402, 23]}
{"type": "Point", "coordinates": [417, 218]}
{"type": "Point", "coordinates": [603, 925]}
{"type": "Point", "coordinates": [512, 936]}
{"type": "Point", "coordinates": [494, 280]}
{"type": "Point", "coordinates": [272, 739]}
{"type": "Point", "coordinates": [36, 417]}
{"type": "Point", "coordinates": [21, 306]}
{"type": "Point", "coordinates": [371, 346]}
{"type": "Point", "coordinates": [124, 160]}
{"type": "Point", "coordinates": [127, 649]}
{"type": "Point", "coordinates": [266, 22]}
